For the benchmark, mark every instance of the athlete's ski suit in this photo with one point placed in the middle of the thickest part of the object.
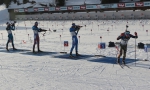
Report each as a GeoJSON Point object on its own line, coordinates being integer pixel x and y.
{"type": "Point", "coordinates": [10, 35]}
{"type": "Point", "coordinates": [74, 32]}
{"type": "Point", "coordinates": [123, 43]}
{"type": "Point", "coordinates": [36, 36]}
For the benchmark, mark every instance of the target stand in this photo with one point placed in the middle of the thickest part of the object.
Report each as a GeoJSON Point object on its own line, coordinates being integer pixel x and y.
{"type": "Point", "coordinates": [147, 49]}
{"type": "Point", "coordinates": [101, 46]}
{"type": "Point", "coordinates": [65, 45]}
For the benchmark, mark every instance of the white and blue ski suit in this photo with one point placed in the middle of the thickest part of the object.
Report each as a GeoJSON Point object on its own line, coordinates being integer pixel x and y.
{"type": "Point", "coordinates": [10, 35]}
{"type": "Point", "coordinates": [73, 33]}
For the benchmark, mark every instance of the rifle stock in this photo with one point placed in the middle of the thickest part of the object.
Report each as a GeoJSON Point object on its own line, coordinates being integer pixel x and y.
{"type": "Point", "coordinates": [44, 30]}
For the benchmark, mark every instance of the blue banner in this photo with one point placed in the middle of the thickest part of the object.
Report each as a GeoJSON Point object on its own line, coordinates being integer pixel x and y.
{"type": "Point", "coordinates": [30, 10]}
{"type": "Point", "coordinates": [52, 9]}
{"type": "Point", "coordinates": [105, 6]}
{"type": "Point", "coordinates": [63, 8]}
{"type": "Point", "coordinates": [40, 9]}
{"type": "Point", "coordinates": [76, 7]}
{"type": "Point", "coordinates": [129, 4]}
{"type": "Point", "coordinates": [21, 10]}
{"type": "Point", "coordinates": [146, 3]}
{"type": "Point", "coordinates": [91, 6]}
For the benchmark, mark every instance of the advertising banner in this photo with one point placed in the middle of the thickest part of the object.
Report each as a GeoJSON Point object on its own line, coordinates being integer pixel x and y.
{"type": "Point", "coordinates": [146, 3]}
{"type": "Point", "coordinates": [25, 10]}
{"type": "Point", "coordinates": [76, 7]}
{"type": "Point", "coordinates": [105, 6]}
{"type": "Point", "coordinates": [139, 4]}
{"type": "Point", "coordinates": [21, 10]}
{"type": "Point", "coordinates": [16, 10]}
{"type": "Point", "coordinates": [36, 9]}
{"type": "Point", "coordinates": [82, 7]}
{"type": "Point", "coordinates": [57, 8]}
{"type": "Point", "coordinates": [129, 4]}
{"type": "Point", "coordinates": [91, 6]}
{"type": "Point", "coordinates": [30, 10]}
{"type": "Point", "coordinates": [69, 8]}
{"type": "Point", "coordinates": [46, 9]}
{"type": "Point", "coordinates": [52, 9]}
{"type": "Point", "coordinates": [63, 8]}
{"type": "Point", "coordinates": [40, 9]}
{"type": "Point", "coordinates": [98, 6]}
{"type": "Point", "coordinates": [121, 5]}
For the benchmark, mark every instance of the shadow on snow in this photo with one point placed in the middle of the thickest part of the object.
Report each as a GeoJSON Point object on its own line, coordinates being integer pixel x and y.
{"type": "Point", "coordinates": [66, 56]}
{"type": "Point", "coordinates": [39, 53]}
{"type": "Point", "coordinates": [13, 51]}
{"type": "Point", "coordinates": [130, 62]}
{"type": "Point", "coordinates": [110, 60]}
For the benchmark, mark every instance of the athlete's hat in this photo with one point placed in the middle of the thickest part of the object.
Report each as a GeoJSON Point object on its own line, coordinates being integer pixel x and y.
{"type": "Point", "coordinates": [73, 24]}
{"type": "Point", "coordinates": [7, 23]}
{"type": "Point", "coordinates": [36, 22]}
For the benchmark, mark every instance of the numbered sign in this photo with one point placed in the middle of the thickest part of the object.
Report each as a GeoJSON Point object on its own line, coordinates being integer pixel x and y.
{"type": "Point", "coordinates": [101, 46]}
{"type": "Point", "coordinates": [65, 43]}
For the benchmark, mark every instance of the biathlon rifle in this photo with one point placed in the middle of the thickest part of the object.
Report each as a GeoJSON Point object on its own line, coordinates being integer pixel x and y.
{"type": "Point", "coordinates": [78, 28]}
{"type": "Point", "coordinates": [43, 30]}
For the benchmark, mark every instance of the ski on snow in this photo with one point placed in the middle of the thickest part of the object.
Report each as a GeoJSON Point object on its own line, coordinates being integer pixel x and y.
{"type": "Point", "coordinates": [120, 66]}
{"type": "Point", "coordinates": [78, 56]}
{"type": "Point", "coordinates": [123, 65]}
{"type": "Point", "coordinates": [126, 65]}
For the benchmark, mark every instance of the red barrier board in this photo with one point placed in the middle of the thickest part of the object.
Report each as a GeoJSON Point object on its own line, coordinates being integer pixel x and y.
{"type": "Point", "coordinates": [121, 5]}
{"type": "Point", "coordinates": [46, 9]}
{"type": "Point", "coordinates": [26, 10]}
{"type": "Point", "coordinates": [82, 7]}
{"type": "Point", "coordinates": [57, 8]}
{"type": "Point", "coordinates": [35, 9]}
{"type": "Point", "coordinates": [139, 4]}
{"type": "Point", "coordinates": [69, 8]}
{"type": "Point", "coordinates": [16, 10]}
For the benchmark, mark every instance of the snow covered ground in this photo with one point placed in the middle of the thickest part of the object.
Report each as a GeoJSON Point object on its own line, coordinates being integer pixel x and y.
{"type": "Point", "coordinates": [23, 70]}
{"type": "Point", "coordinates": [52, 70]}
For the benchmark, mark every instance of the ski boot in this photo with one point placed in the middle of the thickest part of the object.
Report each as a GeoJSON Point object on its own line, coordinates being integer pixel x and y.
{"type": "Point", "coordinates": [14, 49]}
{"type": "Point", "coordinates": [118, 61]}
{"type": "Point", "coordinates": [7, 49]}
{"type": "Point", "coordinates": [40, 51]}
{"type": "Point", "coordinates": [123, 62]}
{"type": "Point", "coordinates": [71, 56]}
{"type": "Point", "coordinates": [77, 54]}
{"type": "Point", "coordinates": [33, 51]}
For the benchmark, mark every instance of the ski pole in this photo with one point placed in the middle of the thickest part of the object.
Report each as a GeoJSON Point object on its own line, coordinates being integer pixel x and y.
{"type": "Point", "coordinates": [135, 51]}
{"type": "Point", "coordinates": [117, 51]}
{"type": "Point", "coordinates": [135, 46]}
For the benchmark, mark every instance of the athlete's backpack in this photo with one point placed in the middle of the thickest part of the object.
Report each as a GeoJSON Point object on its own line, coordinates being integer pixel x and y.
{"type": "Point", "coordinates": [141, 45]}
{"type": "Point", "coordinates": [111, 44]}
